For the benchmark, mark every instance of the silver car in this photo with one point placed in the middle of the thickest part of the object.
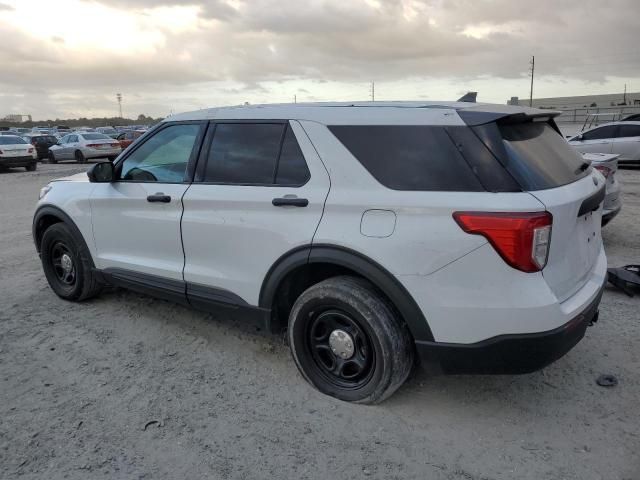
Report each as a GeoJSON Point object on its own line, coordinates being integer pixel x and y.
{"type": "Point", "coordinates": [607, 165]}
{"type": "Point", "coordinates": [621, 138]}
{"type": "Point", "coordinates": [83, 146]}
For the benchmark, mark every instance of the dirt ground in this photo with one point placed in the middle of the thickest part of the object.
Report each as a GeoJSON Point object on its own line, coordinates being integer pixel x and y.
{"type": "Point", "coordinates": [79, 383]}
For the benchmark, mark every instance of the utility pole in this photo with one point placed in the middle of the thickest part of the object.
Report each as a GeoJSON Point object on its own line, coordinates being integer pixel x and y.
{"type": "Point", "coordinates": [373, 91]}
{"type": "Point", "coordinates": [119, 97]}
{"type": "Point", "coordinates": [295, 98]}
{"type": "Point", "coordinates": [624, 98]}
{"type": "Point", "coordinates": [533, 67]}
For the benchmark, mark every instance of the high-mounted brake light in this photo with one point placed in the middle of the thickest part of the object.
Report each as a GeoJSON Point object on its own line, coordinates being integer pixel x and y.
{"type": "Point", "coordinates": [521, 238]}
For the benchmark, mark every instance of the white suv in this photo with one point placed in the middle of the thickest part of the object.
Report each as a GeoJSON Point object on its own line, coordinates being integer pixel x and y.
{"type": "Point", "coordinates": [465, 235]}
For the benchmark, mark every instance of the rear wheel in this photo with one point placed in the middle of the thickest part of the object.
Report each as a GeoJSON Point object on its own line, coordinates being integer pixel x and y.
{"type": "Point", "coordinates": [67, 264]}
{"type": "Point", "coordinates": [80, 157]}
{"type": "Point", "coordinates": [31, 167]}
{"type": "Point", "coordinates": [348, 342]}
{"type": "Point", "coordinates": [52, 158]}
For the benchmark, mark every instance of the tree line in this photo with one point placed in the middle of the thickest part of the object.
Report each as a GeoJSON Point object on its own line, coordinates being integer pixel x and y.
{"type": "Point", "coordinates": [84, 122]}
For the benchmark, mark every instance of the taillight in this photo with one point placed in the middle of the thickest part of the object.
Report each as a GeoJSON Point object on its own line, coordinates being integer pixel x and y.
{"type": "Point", "coordinates": [33, 142]}
{"type": "Point", "coordinates": [30, 150]}
{"type": "Point", "coordinates": [93, 145]}
{"type": "Point", "coordinates": [521, 239]}
{"type": "Point", "coordinates": [606, 171]}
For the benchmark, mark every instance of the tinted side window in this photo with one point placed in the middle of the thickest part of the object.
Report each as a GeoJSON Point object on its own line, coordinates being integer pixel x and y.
{"type": "Point", "coordinates": [292, 168]}
{"type": "Point", "coordinates": [409, 157]}
{"type": "Point", "coordinates": [244, 153]}
{"type": "Point", "coordinates": [163, 157]}
{"type": "Point", "coordinates": [629, 131]}
{"type": "Point", "coordinates": [608, 131]}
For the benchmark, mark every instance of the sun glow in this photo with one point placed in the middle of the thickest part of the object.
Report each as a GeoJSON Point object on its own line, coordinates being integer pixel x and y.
{"type": "Point", "coordinates": [79, 26]}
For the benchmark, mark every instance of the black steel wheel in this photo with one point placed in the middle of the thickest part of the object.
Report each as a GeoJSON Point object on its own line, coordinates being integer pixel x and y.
{"type": "Point", "coordinates": [80, 157]}
{"type": "Point", "coordinates": [52, 158]}
{"type": "Point", "coordinates": [348, 342]}
{"type": "Point", "coordinates": [67, 264]}
{"type": "Point", "coordinates": [341, 349]}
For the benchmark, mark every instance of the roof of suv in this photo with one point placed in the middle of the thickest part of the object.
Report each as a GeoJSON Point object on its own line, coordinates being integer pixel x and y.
{"type": "Point", "coordinates": [426, 113]}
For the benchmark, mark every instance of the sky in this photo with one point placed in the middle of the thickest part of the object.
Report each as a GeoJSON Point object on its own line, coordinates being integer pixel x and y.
{"type": "Point", "coordinates": [69, 58]}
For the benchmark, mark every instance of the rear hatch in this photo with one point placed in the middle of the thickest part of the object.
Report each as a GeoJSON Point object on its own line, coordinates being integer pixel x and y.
{"type": "Point", "coordinates": [541, 161]}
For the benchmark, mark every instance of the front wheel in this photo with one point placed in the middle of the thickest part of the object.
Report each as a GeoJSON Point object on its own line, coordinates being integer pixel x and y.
{"type": "Point", "coordinates": [348, 342]}
{"type": "Point", "coordinates": [80, 157]}
{"type": "Point", "coordinates": [52, 158]}
{"type": "Point", "coordinates": [67, 264]}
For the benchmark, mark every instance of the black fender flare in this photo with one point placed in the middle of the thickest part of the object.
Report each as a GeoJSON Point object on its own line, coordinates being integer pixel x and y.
{"type": "Point", "coordinates": [361, 264]}
{"type": "Point", "coordinates": [50, 210]}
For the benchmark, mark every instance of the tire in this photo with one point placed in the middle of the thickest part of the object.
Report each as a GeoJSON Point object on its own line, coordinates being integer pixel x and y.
{"type": "Point", "coordinates": [80, 157]}
{"type": "Point", "coordinates": [52, 158]}
{"type": "Point", "coordinates": [377, 349]}
{"type": "Point", "coordinates": [75, 282]}
{"type": "Point", "coordinates": [31, 167]}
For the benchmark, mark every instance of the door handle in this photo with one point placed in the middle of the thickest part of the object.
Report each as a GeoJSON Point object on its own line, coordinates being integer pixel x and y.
{"type": "Point", "coordinates": [290, 201]}
{"type": "Point", "coordinates": [159, 198]}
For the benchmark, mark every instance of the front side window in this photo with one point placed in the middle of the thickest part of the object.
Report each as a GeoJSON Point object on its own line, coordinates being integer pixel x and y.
{"type": "Point", "coordinates": [608, 131]}
{"type": "Point", "coordinates": [163, 157]}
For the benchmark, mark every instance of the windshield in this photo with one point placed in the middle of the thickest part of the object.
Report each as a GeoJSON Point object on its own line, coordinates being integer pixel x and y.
{"type": "Point", "coordinates": [95, 136]}
{"type": "Point", "coordinates": [7, 140]}
{"type": "Point", "coordinates": [107, 130]}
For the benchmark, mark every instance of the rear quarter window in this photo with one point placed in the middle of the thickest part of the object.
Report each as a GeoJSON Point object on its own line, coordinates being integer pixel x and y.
{"type": "Point", "coordinates": [409, 157]}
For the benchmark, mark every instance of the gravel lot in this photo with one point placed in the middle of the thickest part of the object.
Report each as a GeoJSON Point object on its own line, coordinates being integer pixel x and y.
{"type": "Point", "coordinates": [79, 382]}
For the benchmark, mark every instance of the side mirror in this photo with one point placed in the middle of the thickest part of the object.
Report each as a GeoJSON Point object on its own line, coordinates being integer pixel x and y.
{"type": "Point", "coordinates": [580, 137]}
{"type": "Point", "coordinates": [102, 172]}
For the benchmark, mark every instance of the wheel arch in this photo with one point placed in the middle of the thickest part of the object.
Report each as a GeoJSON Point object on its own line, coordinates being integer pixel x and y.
{"type": "Point", "coordinates": [345, 261]}
{"type": "Point", "coordinates": [48, 215]}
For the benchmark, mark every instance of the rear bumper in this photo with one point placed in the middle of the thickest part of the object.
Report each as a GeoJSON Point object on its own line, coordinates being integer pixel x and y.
{"type": "Point", "coordinates": [101, 153]}
{"type": "Point", "coordinates": [513, 353]}
{"type": "Point", "coordinates": [17, 161]}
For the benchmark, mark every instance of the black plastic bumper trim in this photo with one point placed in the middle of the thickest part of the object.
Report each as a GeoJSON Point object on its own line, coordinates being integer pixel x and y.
{"type": "Point", "coordinates": [513, 353]}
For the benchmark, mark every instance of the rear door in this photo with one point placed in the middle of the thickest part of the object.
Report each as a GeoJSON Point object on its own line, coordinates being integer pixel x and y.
{"type": "Point", "coordinates": [598, 140]}
{"type": "Point", "coordinates": [627, 142]}
{"type": "Point", "coordinates": [546, 167]}
{"type": "Point", "coordinates": [259, 192]}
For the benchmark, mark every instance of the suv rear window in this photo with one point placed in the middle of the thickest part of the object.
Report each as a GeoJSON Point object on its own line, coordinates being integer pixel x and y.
{"type": "Point", "coordinates": [539, 158]}
{"type": "Point", "coordinates": [409, 157]}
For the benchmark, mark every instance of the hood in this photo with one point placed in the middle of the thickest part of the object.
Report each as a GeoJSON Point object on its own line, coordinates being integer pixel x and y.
{"type": "Point", "coordinates": [78, 177]}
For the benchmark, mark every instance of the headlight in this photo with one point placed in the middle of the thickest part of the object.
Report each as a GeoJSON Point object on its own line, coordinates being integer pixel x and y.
{"type": "Point", "coordinates": [44, 191]}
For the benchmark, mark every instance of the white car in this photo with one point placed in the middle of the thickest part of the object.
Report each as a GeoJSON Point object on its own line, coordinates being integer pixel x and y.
{"type": "Point", "coordinates": [81, 146]}
{"type": "Point", "coordinates": [466, 234]}
{"type": "Point", "coordinates": [17, 152]}
{"type": "Point", "coordinates": [622, 138]}
{"type": "Point", "coordinates": [607, 165]}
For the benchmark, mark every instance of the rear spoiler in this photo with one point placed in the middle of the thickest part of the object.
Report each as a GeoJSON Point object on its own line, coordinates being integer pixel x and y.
{"type": "Point", "coordinates": [475, 116]}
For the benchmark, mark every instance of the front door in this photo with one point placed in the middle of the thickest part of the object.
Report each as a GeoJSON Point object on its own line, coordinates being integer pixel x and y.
{"type": "Point", "coordinates": [627, 143]}
{"type": "Point", "coordinates": [136, 219]}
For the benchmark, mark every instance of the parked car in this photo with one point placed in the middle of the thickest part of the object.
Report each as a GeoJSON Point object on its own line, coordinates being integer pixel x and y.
{"type": "Point", "coordinates": [41, 144]}
{"type": "Point", "coordinates": [16, 152]}
{"type": "Point", "coordinates": [42, 130]}
{"type": "Point", "coordinates": [127, 138]}
{"type": "Point", "coordinates": [607, 165]}
{"type": "Point", "coordinates": [466, 234]}
{"type": "Point", "coordinates": [61, 130]}
{"type": "Point", "coordinates": [83, 146]}
{"type": "Point", "coordinates": [109, 131]}
{"type": "Point", "coordinates": [21, 130]}
{"type": "Point", "coordinates": [622, 138]}
{"type": "Point", "coordinates": [632, 118]}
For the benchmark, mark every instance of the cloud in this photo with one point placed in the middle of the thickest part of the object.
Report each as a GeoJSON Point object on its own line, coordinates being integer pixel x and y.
{"type": "Point", "coordinates": [237, 49]}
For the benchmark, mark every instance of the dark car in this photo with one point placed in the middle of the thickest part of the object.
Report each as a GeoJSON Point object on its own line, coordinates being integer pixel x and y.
{"type": "Point", "coordinates": [632, 118]}
{"type": "Point", "coordinates": [42, 143]}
